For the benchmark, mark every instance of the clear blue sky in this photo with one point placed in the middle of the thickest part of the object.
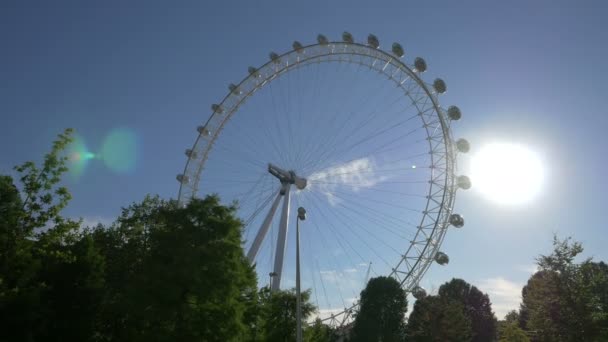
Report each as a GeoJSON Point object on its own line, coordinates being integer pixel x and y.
{"type": "Point", "coordinates": [530, 72]}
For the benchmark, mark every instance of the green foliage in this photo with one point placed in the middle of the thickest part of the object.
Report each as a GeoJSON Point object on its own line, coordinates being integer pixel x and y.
{"type": "Point", "coordinates": [512, 317]}
{"type": "Point", "coordinates": [51, 276]}
{"type": "Point", "coordinates": [44, 199]}
{"type": "Point", "coordinates": [476, 305]}
{"type": "Point", "coordinates": [167, 273]}
{"type": "Point", "coordinates": [509, 329]}
{"type": "Point", "coordinates": [513, 333]}
{"type": "Point", "coordinates": [382, 310]}
{"type": "Point", "coordinates": [160, 273]}
{"type": "Point", "coordinates": [435, 319]}
{"type": "Point", "coordinates": [175, 273]}
{"type": "Point", "coordinates": [460, 312]}
{"type": "Point", "coordinates": [319, 332]}
{"type": "Point", "coordinates": [565, 300]}
{"type": "Point", "coordinates": [278, 314]}
{"type": "Point", "coordinates": [541, 306]}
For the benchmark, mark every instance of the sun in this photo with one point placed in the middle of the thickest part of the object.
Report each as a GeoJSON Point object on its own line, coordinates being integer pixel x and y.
{"type": "Point", "coordinates": [507, 173]}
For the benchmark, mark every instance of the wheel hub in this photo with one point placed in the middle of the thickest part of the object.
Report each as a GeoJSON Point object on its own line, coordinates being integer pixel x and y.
{"type": "Point", "coordinates": [287, 177]}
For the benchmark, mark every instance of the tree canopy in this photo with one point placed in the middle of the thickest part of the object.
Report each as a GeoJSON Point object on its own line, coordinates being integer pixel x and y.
{"type": "Point", "coordinates": [476, 305]}
{"type": "Point", "coordinates": [513, 333]}
{"type": "Point", "coordinates": [435, 319]}
{"type": "Point", "coordinates": [166, 272]}
{"type": "Point", "coordinates": [176, 272]}
{"type": "Point", "coordinates": [278, 313]}
{"type": "Point", "coordinates": [160, 272]}
{"type": "Point", "coordinates": [566, 300]}
{"type": "Point", "coordinates": [382, 310]}
{"type": "Point", "coordinates": [459, 312]}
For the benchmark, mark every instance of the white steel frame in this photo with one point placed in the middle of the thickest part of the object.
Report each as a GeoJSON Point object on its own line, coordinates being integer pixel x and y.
{"type": "Point", "coordinates": [442, 184]}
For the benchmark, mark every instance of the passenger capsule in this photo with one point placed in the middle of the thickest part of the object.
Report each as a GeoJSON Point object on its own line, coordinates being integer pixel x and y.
{"type": "Point", "coordinates": [463, 182]}
{"type": "Point", "coordinates": [322, 39]}
{"type": "Point", "coordinates": [298, 46]}
{"type": "Point", "coordinates": [439, 86]}
{"type": "Point", "coordinates": [234, 89]}
{"type": "Point", "coordinates": [347, 37]}
{"type": "Point", "coordinates": [418, 292]}
{"type": "Point", "coordinates": [457, 220]}
{"type": "Point", "coordinates": [454, 113]}
{"type": "Point", "coordinates": [442, 258]}
{"type": "Point", "coordinates": [203, 131]}
{"type": "Point", "coordinates": [253, 71]}
{"type": "Point", "coordinates": [183, 179]}
{"type": "Point", "coordinates": [275, 58]}
{"type": "Point", "coordinates": [373, 41]}
{"type": "Point", "coordinates": [463, 145]}
{"type": "Point", "coordinates": [398, 50]}
{"type": "Point", "coordinates": [217, 108]}
{"type": "Point", "coordinates": [420, 64]}
{"type": "Point", "coordinates": [191, 154]}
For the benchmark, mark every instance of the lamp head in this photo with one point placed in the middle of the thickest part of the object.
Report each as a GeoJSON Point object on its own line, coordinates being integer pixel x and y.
{"type": "Point", "coordinates": [301, 213]}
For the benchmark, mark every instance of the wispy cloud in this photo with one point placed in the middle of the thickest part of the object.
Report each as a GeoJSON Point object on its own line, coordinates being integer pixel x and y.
{"type": "Point", "coordinates": [356, 175]}
{"type": "Point", "coordinates": [344, 282]}
{"type": "Point", "coordinates": [504, 294]}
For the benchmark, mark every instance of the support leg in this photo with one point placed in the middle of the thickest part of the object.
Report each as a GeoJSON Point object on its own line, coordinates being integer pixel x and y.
{"type": "Point", "coordinates": [259, 238]}
{"type": "Point", "coordinates": [280, 252]}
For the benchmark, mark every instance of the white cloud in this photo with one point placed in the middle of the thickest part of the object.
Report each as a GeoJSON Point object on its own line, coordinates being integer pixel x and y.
{"type": "Point", "coordinates": [357, 174]}
{"type": "Point", "coordinates": [505, 295]}
{"type": "Point", "coordinates": [326, 313]}
{"type": "Point", "coordinates": [93, 221]}
{"type": "Point", "coordinates": [331, 276]}
{"type": "Point", "coordinates": [343, 282]}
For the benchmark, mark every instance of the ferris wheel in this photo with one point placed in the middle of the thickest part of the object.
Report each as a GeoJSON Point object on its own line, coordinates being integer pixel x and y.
{"type": "Point", "coordinates": [354, 135]}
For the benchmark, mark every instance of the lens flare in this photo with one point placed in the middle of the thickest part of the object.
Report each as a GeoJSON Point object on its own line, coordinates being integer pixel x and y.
{"type": "Point", "coordinates": [119, 150]}
{"type": "Point", "coordinates": [78, 157]}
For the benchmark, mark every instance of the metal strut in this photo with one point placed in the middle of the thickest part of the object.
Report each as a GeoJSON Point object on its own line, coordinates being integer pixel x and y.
{"type": "Point", "coordinates": [280, 253]}
{"type": "Point", "coordinates": [286, 178]}
{"type": "Point", "coordinates": [259, 238]}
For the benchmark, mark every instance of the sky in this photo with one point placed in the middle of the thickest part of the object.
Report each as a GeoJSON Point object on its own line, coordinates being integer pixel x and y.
{"type": "Point", "coordinates": [525, 72]}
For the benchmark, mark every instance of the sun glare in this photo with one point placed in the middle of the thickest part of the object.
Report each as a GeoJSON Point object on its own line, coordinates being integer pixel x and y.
{"type": "Point", "coordinates": [507, 173]}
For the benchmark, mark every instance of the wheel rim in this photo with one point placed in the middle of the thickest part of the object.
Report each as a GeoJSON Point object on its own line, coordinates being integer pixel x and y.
{"type": "Point", "coordinates": [440, 195]}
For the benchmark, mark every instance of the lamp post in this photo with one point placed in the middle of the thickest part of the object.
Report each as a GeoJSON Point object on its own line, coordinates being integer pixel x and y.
{"type": "Point", "coordinates": [301, 217]}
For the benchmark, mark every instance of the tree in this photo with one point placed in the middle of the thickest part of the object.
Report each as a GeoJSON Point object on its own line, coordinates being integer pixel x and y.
{"type": "Point", "coordinates": [592, 284]}
{"type": "Point", "coordinates": [512, 333]}
{"type": "Point", "coordinates": [435, 319]}
{"type": "Point", "coordinates": [278, 313]}
{"type": "Point", "coordinates": [50, 275]}
{"type": "Point", "coordinates": [565, 300]}
{"type": "Point", "coordinates": [176, 273]}
{"type": "Point", "coordinates": [319, 332]}
{"type": "Point", "coordinates": [512, 317]}
{"type": "Point", "coordinates": [476, 306]}
{"type": "Point", "coordinates": [541, 306]}
{"type": "Point", "coordinates": [382, 310]}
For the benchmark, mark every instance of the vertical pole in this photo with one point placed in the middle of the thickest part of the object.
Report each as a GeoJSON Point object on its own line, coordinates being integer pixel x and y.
{"type": "Point", "coordinates": [278, 259]}
{"type": "Point", "coordinates": [298, 294]}
{"type": "Point", "coordinates": [259, 238]}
